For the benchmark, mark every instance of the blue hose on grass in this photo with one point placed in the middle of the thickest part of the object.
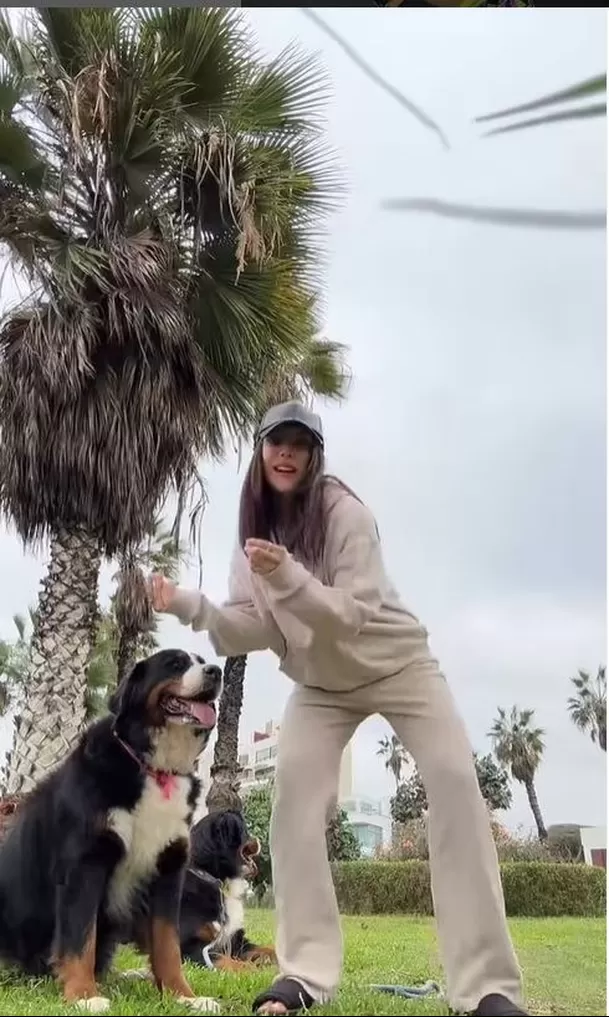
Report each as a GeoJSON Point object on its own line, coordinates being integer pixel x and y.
{"type": "Point", "coordinates": [408, 991]}
{"type": "Point", "coordinates": [405, 991]}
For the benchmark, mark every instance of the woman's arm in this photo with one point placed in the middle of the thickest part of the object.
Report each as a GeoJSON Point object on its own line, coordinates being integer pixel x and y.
{"type": "Point", "coordinates": [357, 573]}
{"type": "Point", "coordinates": [234, 627]}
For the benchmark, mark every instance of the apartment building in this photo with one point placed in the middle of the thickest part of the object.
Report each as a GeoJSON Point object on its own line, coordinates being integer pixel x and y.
{"type": "Point", "coordinates": [369, 818]}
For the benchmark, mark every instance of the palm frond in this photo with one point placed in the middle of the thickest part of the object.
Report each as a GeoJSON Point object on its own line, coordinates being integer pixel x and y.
{"type": "Point", "coordinates": [581, 90]}
{"type": "Point", "coordinates": [285, 97]}
{"type": "Point", "coordinates": [535, 218]}
{"type": "Point", "coordinates": [594, 110]}
{"type": "Point", "coordinates": [521, 217]}
{"type": "Point", "coordinates": [588, 707]}
{"type": "Point", "coordinates": [371, 73]}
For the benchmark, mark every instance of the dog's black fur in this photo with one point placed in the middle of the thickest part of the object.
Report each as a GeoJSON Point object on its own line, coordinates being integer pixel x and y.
{"type": "Point", "coordinates": [222, 858]}
{"type": "Point", "coordinates": [66, 891]}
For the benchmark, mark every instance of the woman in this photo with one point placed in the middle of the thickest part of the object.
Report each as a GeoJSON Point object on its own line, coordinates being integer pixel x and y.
{"type": "Point", "coordinates": [308, 582]}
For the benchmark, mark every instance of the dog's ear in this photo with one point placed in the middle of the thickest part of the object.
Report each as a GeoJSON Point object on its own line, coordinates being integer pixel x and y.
{"type": "Point", "coordinates": [251, 848]}
{"type": "Point", "coordinates": [231, 827]}
{"type": "Point", "coordinates": [117, 700]}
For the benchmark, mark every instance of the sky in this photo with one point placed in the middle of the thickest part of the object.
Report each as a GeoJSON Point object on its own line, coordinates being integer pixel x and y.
{"type": "Point", "coordinates": [475, 423]}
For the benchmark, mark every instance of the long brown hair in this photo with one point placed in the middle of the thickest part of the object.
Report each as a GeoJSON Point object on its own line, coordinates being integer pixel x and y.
{"type": "Point", "coordinates": [300, 523]}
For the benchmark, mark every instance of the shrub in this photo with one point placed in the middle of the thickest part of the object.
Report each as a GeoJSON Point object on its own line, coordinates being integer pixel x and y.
{"type": "Point", "coordinates": [257, 805]}
{"type": "Point", "coordinates": [545, 889]}
{"type": "Point", "coordinates": [341, 842]}
{"type": "Point", "coordinates": [565, 842]}
{"type": "Point", "coordinates": [519, 846]}
{"type": "Point", "coordinates": [408, 842]}
{"type": "Point", "coordinates": [383, 887]}
{"type": "Point", "coordinates": [532, 889]}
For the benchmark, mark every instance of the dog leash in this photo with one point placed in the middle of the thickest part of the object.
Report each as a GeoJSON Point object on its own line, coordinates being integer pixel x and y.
{"type": "Point", "coordinates": [209, 964]}
{"type": "Point", "coordinates": [165, 780]}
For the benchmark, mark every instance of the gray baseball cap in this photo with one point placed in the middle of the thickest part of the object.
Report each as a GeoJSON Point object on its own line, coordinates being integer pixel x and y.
{"type": "Point", "coordinates": [291, 413]}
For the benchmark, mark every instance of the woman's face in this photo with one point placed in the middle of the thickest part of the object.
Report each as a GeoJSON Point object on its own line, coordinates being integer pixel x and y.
{"type": "Point", "coordinates": [286, 454]}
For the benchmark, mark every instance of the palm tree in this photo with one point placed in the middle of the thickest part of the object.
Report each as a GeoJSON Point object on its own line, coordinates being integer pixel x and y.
{"type": "Point", "coordinates": [588, 707]}
{"type": "Point", "coordinates": [135, 621]}
{"type": "Point", "coordinates": [224, 788]}
{"type": "Point", "coordinates": [162, 190]}
{"type": "Point", "coordinates": [395, 756]}
{"type": "Point", "coordinates": [127, 629]}
{"type": "Point", "coordinates": [519, 747]}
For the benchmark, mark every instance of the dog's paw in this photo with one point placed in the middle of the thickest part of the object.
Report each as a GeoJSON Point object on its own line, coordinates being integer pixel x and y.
{"type": "Point", "coordinates": [137, 975]}
{"type": "Point", "coordinates": [202, 1004]}
{"type": "Point", "coordinates": [94, 1004]}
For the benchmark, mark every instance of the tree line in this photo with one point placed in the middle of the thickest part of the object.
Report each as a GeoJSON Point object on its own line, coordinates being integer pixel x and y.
{"type": "Point", "coordinates": [518, 748]}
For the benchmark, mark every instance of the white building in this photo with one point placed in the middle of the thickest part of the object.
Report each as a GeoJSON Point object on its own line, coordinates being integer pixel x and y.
{"type": "Point", "coordinates": [594, 843]}
{"type": "Point", "coordinates": [258, 760]}
{"type": "Point", "coordinates": [370, 820]}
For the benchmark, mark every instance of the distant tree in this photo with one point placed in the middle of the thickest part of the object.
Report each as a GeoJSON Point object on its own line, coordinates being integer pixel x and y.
{"type": "Point", "coordinates": [14, 656]}
{"type": "Point", "coordinates": [588, 707]}
{"type": "Point", "coordinates": [410, 800]}
{"type": "Point", "coordinates": [394, 755]}
{"type": "Point", "coordinates": [565, 842]}
{"type": "Point", "coordinates": [257, 806]}
{"type": "Point", "coordinates": [342, 843]}
{"type": "Point", "coordinates": [494, 783]}
{"type": "Point", "coordinates": [519, 747]}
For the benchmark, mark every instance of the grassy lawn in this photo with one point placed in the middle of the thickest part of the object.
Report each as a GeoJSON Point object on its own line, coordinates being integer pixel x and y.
{"type": "Point", "coordinates": [564, 961]}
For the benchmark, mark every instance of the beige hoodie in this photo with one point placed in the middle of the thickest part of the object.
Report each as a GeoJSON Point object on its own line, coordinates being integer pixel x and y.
{"type": "Point", "coordinates": [337, 627]}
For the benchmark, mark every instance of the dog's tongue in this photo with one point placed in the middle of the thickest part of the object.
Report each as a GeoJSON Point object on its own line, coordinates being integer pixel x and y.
{"type": "Point", "coordinates": [204, 713]}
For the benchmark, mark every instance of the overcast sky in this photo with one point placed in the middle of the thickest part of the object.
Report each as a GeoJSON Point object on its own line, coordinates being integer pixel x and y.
{"type": "Point", "coordinates": [475, 426]}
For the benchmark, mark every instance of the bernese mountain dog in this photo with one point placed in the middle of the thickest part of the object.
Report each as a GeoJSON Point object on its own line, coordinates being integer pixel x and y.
{"type": "Point", "coordinates": [222, 860]}
{"type": "Point", "coordinates": [102, 843]}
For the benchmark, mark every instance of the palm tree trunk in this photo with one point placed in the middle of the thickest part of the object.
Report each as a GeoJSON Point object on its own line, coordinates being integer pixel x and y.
{"type": "Point", "coordinates": [54, 709]}
{"type": "Point", "coordinates": [224, 789]}
{"type": "Point", "coordinates": [602, 736]}
{"type": "Point", "coordinates": [126, 653]}
{"type": "Point", "coordinates": [536, 810]}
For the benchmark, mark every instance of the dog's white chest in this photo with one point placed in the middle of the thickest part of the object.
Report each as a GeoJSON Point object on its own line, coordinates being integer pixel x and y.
{"type": "Point", "coordinates": [159, 819]}
{"type": "Point", "coordinates": [234, 907]}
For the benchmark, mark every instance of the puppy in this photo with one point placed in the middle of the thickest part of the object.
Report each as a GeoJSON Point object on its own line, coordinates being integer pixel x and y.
{"type": "Point", "coordinates": [222, 860]}
{"type": "Point", "coordinates": [101, 845]}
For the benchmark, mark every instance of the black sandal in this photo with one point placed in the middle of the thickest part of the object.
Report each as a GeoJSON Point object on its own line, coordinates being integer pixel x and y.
{"type": "Point", "coordinates": [498, 1006]}
{"type": "Point", "coordinates": [287, 991]}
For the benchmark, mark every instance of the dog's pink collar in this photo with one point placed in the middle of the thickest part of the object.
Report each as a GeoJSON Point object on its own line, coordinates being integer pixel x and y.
{"type": "Point", "coordinates": [164, 779]}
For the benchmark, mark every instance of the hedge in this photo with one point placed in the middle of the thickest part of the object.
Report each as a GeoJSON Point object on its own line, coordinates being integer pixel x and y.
{"type": "Point", "coordinates": [531, 889]}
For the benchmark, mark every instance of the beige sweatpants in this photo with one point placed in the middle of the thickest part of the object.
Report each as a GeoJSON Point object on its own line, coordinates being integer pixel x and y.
{"type": "Point", "coordinates": [476, 949]}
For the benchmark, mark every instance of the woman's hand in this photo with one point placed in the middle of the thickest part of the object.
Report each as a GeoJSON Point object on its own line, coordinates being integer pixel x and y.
{"type": "Point", "coordinates": [264, 556]}
{"type": "Point", "coordinates": [161, 592]}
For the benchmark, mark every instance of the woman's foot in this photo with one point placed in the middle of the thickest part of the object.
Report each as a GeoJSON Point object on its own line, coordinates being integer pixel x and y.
{"type": "Point", "coordinates": [285, 996]}
{"type": "Point", "coordinates": [498, 1006]}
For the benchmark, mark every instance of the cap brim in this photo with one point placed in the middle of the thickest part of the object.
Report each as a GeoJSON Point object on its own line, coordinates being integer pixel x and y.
{"type": "Point", "coordinates": [289, 422]}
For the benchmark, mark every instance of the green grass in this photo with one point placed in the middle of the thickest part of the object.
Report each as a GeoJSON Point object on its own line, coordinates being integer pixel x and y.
{"type": "Point", "coordinates": [564, 962]}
